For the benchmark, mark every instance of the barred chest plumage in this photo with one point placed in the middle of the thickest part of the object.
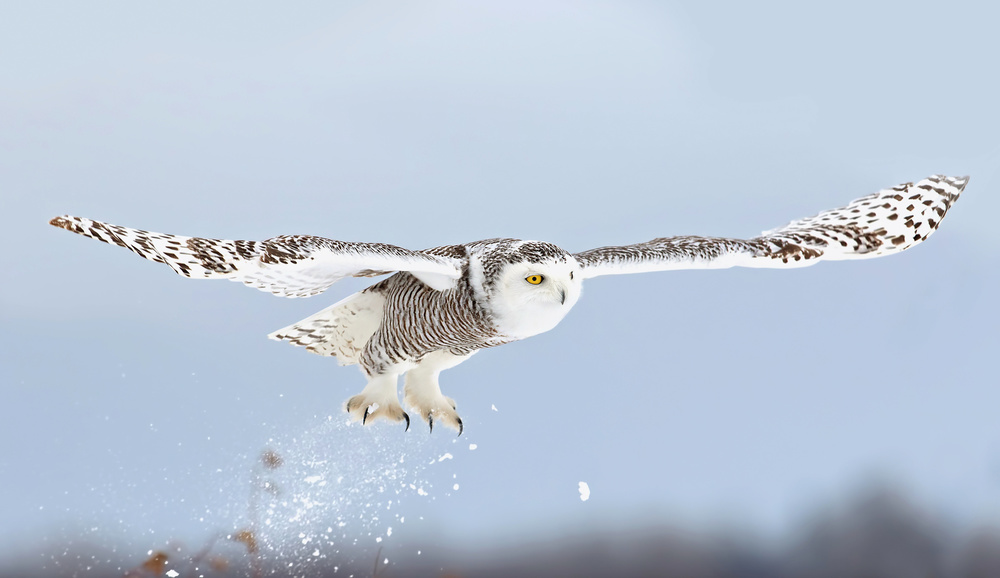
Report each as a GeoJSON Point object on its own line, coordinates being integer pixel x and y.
{"type": "Point", "coordinates": [417, 320]}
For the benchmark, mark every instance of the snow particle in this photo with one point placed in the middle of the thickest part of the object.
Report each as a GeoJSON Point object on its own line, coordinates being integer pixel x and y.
{"type": "Point", "coordinates": [473, 446]}
{"type": "Point", "coordinates": [584, 492]}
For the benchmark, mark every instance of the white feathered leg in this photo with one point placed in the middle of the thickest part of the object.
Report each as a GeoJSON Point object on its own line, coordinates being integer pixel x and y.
{"type": "Point", "coordinates": [378, 399]}
{"type": "Point", "coordinates": [423, 393]}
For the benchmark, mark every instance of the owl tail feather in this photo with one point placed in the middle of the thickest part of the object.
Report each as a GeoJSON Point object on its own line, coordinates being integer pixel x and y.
{"type": "Point", "coordinates": [341, 330]}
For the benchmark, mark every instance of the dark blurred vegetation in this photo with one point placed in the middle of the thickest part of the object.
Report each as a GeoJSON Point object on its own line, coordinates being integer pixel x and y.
{"type": "Point", "coordinates": [878, 533]}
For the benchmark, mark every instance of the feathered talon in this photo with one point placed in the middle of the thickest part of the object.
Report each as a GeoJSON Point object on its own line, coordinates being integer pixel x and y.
{"type": "Point", "coordinates": [373, 403]}
{"type": "Point", "coordinates": [442, 414]}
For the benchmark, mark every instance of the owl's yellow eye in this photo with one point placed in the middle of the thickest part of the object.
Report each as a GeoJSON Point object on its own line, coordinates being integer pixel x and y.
{"type": "Point", "coordinates": [534, 279]}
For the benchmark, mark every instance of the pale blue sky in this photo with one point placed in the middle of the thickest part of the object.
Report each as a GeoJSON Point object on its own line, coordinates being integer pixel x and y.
{"type": "Point", "coordinates": [133, 395]}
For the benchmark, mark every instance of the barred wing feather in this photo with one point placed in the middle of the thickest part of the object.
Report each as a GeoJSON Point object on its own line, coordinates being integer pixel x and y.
{"type": "Point", "coordinates": [288, 266]}
{"type": "Point", "coordinates": [886, 222]}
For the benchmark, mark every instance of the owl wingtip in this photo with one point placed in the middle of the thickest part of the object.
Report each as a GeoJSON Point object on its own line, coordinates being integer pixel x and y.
{"type": "Point", "coordinates": [68, 222]}
{"type": "Point", "coordinates": [957, 182]}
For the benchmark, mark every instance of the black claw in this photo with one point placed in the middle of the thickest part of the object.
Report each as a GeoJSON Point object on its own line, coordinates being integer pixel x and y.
{"type": "Point", "coordinates": [407, 418]}
{"type": "Point", "coordinates": [365, 417]}
{"type": "Point", "coordinates": [430, 421]}
{"type": "Point", "coordinates": [461, 427]}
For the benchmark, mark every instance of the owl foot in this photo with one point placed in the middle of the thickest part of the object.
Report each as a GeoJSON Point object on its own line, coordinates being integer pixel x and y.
{"type": "Point", "coordinates": [440, 409]}
{"type": "Point", "coordinates": [423, 392]}
{"type": "Point", "coordinates": [377, 400]}
{"type": "Point", "coordinates": [366, 409]}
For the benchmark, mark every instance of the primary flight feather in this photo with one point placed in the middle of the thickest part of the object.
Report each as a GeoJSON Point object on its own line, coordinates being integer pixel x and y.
{"type": "Point", "coordinates": [442, 305]}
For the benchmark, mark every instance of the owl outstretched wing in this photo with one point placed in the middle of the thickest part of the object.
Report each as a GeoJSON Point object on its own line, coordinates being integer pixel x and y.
{"type": "Point", "coordinates": [288, 266]}
{"type": "Point", "coordinates": [886, 222]}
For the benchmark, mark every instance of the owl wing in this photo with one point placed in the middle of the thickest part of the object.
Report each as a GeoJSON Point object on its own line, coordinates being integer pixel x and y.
{"type": "Point", "coordinates": [289, 266]}
{"type": "Point", "coordinates": [886, 222]}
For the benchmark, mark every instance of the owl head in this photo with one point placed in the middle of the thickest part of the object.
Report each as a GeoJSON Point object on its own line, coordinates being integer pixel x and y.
{"type": "Point", "coordinates": [529, 286]}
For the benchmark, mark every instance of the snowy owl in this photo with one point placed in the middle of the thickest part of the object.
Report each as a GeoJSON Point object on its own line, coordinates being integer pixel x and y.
{"type": "Point", "coordinates": [440, 306]}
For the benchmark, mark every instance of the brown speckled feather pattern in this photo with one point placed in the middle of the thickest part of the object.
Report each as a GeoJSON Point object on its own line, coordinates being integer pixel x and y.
{"type": "Point", "coordinates": [288, 265]}
{"type": "Point", "coordinates": [886, 222]}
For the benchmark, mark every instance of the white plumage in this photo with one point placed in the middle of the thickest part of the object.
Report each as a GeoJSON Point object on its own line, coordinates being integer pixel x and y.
{"type": "Point", "coordinates": [441, 305]}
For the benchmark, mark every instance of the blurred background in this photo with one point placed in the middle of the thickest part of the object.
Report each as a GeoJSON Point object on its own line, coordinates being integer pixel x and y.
{"type": "Point", "coordinates": [738, 422]}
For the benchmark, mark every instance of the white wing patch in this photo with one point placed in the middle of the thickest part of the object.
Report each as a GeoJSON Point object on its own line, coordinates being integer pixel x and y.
{"type": "Point", "coordinates": [288, 266]}
{"type": "Point", "coordinates": [883, 223]}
